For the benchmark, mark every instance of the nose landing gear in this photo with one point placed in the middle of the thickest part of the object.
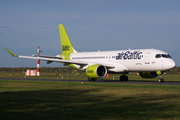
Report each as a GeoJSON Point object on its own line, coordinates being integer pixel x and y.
{"type": "Point", "coordinates": [161, 80]}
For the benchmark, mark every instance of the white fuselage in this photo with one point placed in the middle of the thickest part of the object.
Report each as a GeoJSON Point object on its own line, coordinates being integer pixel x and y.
{"type": "Point", "coordinates": [127, 60]}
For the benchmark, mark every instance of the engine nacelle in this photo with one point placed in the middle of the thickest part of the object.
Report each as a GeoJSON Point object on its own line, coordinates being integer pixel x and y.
{"type": "Point", "coordinates": [148, 74]}
{"type": "Point", "coordinates": [96, 71]}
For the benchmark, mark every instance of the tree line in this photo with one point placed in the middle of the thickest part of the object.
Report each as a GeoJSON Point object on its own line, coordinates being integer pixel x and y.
{"type": "Point", "coordinates": [175, 70]}
{"type": "Point", "coordinates": [43, 69]}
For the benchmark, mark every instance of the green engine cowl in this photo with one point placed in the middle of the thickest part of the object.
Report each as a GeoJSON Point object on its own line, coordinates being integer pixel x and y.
{"type": "Point", "coordinates": [148, 74]}
{"type": "Point", "coordinates": [96, 71]}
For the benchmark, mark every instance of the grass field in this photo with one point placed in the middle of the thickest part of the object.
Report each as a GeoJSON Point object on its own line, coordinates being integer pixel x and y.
{"type": "Point", "coordinates": [167, 77]}
{"type": "Point", "coordinates": [26, 100]}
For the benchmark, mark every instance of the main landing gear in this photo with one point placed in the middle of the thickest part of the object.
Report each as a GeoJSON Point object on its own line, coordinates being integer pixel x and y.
{"type": "Point", "coordinates": [123, 78]}
{"type": "Point", "coordinates": [161, 80]}
{"type": "Point", "coordinates": [92, 79]}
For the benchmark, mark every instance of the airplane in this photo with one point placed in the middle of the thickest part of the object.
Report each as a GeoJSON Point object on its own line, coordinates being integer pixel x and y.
{"type": "Point", "coordinates": [149, 63]}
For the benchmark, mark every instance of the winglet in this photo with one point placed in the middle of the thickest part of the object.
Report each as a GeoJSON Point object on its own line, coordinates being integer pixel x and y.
{"type": "Point", "coordinates": [11, 53]}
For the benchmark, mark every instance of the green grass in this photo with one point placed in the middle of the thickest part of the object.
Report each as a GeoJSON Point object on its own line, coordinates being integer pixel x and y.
{"type": "Point", "coordinates": [26, 100]}
{"type": "Point", "coordinates": [167, 77]}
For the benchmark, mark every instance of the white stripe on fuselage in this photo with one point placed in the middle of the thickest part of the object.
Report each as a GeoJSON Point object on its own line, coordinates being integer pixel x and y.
{"type": "Point", "coordinates": [126, 60]}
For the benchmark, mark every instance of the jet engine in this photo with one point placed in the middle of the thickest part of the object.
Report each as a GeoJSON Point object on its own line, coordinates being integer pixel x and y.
{"type": "Point", "coordinates": [148, 74]}
{"type": "Point", "coordinates": [96, 71]}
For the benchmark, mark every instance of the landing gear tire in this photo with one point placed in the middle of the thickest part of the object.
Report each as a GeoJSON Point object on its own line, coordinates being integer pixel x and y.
{"type": "Point", "coordinates": [123, 78]}
{"type": "Point", "coordinates": [92, 79]}
{"type": "Point", "coordinates": [89, 79]}
{"type": "Point", "coordinates": [161, 80]}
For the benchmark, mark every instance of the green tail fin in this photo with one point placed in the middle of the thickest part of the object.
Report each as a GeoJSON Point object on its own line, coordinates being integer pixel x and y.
{"type": "Point", "coordinates": [66, 45]}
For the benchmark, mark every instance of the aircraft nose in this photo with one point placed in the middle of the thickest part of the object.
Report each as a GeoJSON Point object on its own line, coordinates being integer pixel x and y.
{"type": "Point", "coordinates": [168, 64]}
{"type": "Point", "coordinates": [172, 64]}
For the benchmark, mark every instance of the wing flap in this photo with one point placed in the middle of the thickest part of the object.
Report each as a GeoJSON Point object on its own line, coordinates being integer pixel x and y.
{"type": "Point", "coordinates": [47, 56]}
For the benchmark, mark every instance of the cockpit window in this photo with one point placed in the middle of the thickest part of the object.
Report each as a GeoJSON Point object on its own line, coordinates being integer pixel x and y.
{"type": "Point", "coordinates": [163, 56]}
{"type": "Point", "coordinates": [166, 56]}
{"type": "Point", "coordinates": [158, 56]}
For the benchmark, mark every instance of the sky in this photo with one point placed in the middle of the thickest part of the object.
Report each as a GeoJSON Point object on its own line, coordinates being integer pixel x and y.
{"type": "Point", "coordinates": [91, 25]}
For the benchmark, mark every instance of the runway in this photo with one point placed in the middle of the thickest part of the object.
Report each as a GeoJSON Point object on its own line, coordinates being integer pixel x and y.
{"type": "Point", "coordinates": [135, 82]}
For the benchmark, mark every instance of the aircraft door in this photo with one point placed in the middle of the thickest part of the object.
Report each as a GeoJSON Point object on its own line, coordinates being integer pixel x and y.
{"type": "Point", "coordinates": [162, 64]}
{"type": "Point", "coordinates": [147, 58]}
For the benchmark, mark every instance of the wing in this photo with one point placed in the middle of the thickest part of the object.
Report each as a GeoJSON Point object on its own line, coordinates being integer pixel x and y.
{"type": "Point", "coordinates": [51, 59]}
{"type": "Point", "coordinates": [59, 59]}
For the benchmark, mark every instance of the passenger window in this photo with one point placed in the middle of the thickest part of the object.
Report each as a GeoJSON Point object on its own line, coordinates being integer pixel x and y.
{"type": "Point", "coordinates": [158, 56]}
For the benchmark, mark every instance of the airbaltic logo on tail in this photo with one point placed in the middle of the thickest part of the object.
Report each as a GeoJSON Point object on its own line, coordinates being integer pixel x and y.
{"type": "Point", "coordinates": [65, 48]}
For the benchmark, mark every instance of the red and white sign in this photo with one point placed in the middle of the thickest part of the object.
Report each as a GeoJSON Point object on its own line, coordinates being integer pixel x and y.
{"type": "Point", "coordinates": [31, 72]}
